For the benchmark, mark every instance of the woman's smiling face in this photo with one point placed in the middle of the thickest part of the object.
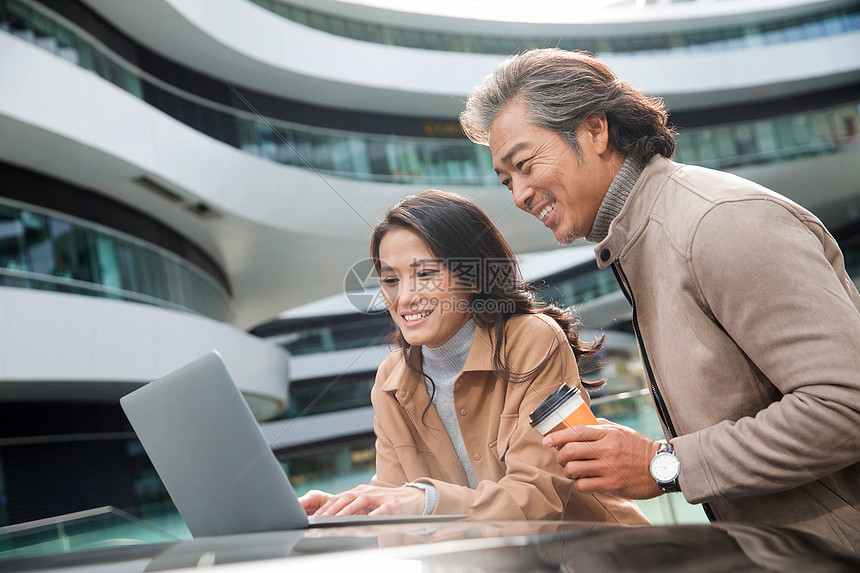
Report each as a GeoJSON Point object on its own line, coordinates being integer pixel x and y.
{"type": "Point", "coordinates": [426, 300]}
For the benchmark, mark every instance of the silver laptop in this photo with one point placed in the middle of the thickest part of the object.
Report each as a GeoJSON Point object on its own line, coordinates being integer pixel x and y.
{"type": "Point", "coordinates": [212, 457]}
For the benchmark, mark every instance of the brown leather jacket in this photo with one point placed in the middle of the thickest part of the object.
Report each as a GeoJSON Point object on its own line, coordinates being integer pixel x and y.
{"type": "Point", "coordinates": [519, 477]}
{"type": "Point", "coordinates": [750, 329]}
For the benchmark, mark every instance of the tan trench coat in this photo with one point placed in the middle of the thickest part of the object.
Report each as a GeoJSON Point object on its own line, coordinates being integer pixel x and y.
{"type": "Point", "coordinates": [519, 477]}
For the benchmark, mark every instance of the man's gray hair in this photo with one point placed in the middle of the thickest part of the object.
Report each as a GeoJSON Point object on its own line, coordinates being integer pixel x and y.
{"type": "Point", "coordinates": [561, 89]}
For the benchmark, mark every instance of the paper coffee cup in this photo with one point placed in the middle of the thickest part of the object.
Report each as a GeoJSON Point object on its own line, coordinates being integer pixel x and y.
{"type": "Point", "coordinates": [562, 409]}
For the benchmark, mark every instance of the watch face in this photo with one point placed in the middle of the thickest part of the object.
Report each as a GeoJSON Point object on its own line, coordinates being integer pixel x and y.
{"type": "Point", "coordinates": [665, 467]}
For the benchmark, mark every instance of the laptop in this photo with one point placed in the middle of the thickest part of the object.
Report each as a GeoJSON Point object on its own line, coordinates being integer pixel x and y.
{"type": "Point", "coordinates": [214, 460]}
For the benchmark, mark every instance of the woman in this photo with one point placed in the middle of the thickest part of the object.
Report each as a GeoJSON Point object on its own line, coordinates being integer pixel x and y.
{"type": "Point", "coordinates": [477, 354]}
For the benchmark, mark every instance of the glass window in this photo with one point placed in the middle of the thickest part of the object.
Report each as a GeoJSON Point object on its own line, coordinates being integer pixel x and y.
{"type": "Point", "coordinates": [819, 130]}
{"type": "Point", "coordinates": [699, 144]}
{"type": "Point", "coordinates": [794, 32]}
{"type": "Point", "coordinates": [20, 17]}
{"type": "Point", "coordinates": [411, 38]}
{"type": "Point", "coordinates": [301, 16]}
{"type": "Point", "coordinates": [682, 152]}
{"type": "Point", "coordinates": [142, 272]}
{"type": "Point", "coordinates": [101, 65]}
{"type": "Point", "coordinates": [125, 257]}
{"type": "Point", "coordinates": [4, 25]}
{"type": "Point", "coordinates": [473, 44]}
{"type": "Point", "coordinates": [456, 43]}
{"type": "Point", "coordinates": [707, 151]}
{"type": "Point", "coordinates": [768, 145]}
{"type": "Point", "coordinates": [785, 133]}
{"type": "Point", "coordinates": [803, 130]}
{"type": "Point", "coordinates": [376, 155]}
{"type": "Point", "coordinates": [85, 266]}
{"type": "Point", "coordinates": [297, 145]}
{"type": "Point", "coordinates": [67, 46]}
{"type": "Point", "coordinates": [321, 395]}
{"type": "Point", "coordinates": [85, 54]}
{"type": "Point", "coordinates": [38, 251]}
{"type": "Point", "coordinates": [108, 267]}
{"type": "Point", "coordinates": [248, 140]}
{"type": "Point", "coordinates": [358, 154]}
{"type": "Point", "coordinates": [726, 144]}
{"type": "Point", "coordinates": [338, 26]}
{"type": "Point", "coordinates": [309, 341]}
{"type": "Point", "coordinates": [851, 21]}
{"type": "Point", "coordinates": [356, 30]}
{"type": "Point", "coordinates": [744, 140]}
{"type": "Point", "coordinates": [318, 21]}
{"type": "Point", "coordinates": [188, 285]}
{"type": "Point", "coordinates": [99, 263]}
{"type": "Point", "coordinates": [172, 281]}
{"type": "Point", "coordinates": [832, 26]}
{"type": "Point", "coordinates": [845, 123]}
{"type": "Point", "coordinates": [62, 234]}
{"type": "Point", "coordinates": [45, 31]}
{"type": "Point", "coordinates": [374, 33]}
{"type": "Point", "coordinates": [321, 157]}
{"type": "Point", "coordinates": [11, 238]}
{"type": "Point", "coordinates": [434, 41]}
{"type": "Point", "coordinates": [389, 36]}
{"type": "Point", "coordinates": [814, 29]}
{"type": "Point", "coordinates": [342, 154]}
{"type": "Point", "coordinates": [157, 274]}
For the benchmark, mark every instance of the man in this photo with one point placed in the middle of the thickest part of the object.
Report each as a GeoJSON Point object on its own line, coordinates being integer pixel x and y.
{"type": "Point", "coordinates": [747, 323]}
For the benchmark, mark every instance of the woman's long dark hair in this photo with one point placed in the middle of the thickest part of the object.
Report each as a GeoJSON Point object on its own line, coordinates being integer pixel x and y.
{"type": "Point", "coordinates": [464, 239]}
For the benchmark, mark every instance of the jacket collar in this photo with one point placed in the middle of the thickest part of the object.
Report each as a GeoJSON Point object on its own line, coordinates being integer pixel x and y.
{"type": "Point", "coordinates": [410, 392]}
{"type": "Point", "coordinates": [631, 221]}
{"type": "Point", "coordinates": [403, 380]}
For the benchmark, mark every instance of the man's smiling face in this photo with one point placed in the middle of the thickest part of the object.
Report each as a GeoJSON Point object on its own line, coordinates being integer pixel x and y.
{"type": "Point", "coordinates": [547, 177]}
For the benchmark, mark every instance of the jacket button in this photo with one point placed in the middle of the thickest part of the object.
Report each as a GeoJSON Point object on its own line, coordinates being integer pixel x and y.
{"type": "Point", "coordinates": [604, 255]}
{"type": "Point", "coordinates": [464, 411]}
{"type": "Point", "coordinates": [477, 456]}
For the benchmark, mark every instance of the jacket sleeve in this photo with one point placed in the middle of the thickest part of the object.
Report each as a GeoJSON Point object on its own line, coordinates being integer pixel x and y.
{"type": "Point", "coordinates": [773, 288]}
{"type": "Point", "coordinates": [534, 486]}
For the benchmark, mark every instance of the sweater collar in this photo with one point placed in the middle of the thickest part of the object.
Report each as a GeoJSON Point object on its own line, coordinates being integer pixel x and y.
{"type": "Point", "coordinates": [451, 356]}
{"type": "Point", "coordinates": [404, 380]}
{"type": "Point", "coordinates": [636, 212]}
{"type": "Point", "coordinates": [615, 198]}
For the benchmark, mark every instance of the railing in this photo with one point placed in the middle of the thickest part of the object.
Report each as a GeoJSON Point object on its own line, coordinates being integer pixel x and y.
{"type": "Point", "coordinates": [829, 23]}
{"type": "Point", "coordinates": [94, 528]}
{"type": "Point", "coordinates": [399, 159]}
{"type": "Point", "coordinates": [46, 250]}
{"type": "Point", "coordinates": [633, 409]}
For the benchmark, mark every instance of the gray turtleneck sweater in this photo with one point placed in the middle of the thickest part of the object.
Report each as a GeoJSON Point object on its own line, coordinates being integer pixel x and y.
{"type": "Point", "coordinates": [443, 364]}
{"type": "Point", "coordinates": [614, 199]}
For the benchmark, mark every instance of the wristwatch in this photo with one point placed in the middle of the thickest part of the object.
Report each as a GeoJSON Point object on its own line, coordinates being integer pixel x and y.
{"type": "Point", "coordinates": [665, 468]}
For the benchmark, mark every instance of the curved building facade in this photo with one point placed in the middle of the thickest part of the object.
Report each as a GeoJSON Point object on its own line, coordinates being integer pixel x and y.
{"type": "Point", "coordinates": [175, 173]}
